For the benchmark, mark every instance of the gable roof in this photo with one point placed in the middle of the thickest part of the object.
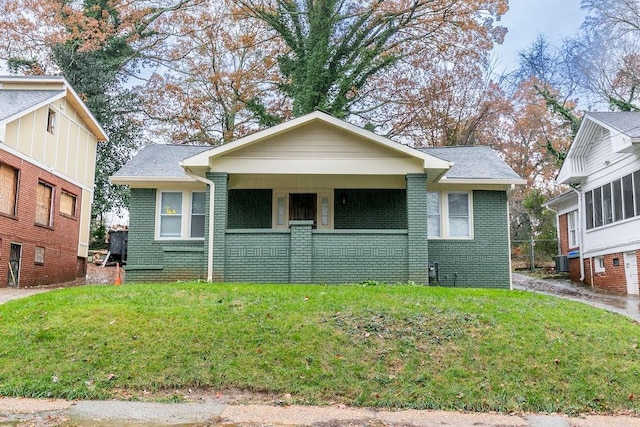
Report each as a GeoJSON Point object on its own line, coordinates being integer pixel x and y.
{"type": "Point", "coordinates": [627, 122]}
{"type": "Point", "coordinates": [624, 133]}
{"type": "Point", "coordinates": [157, 162]}
{"type": "Point", "coordinates": [202, 160]}
{"type": "Point", "coordinates": [13, 102]}
{"type": "Point", "coordinates": [474, 164]}
{"type": "Point", "coordinates": [20, 95]}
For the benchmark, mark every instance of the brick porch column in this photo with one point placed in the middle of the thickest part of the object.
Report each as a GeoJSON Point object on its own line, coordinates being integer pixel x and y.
{"type": "Point", "coordinates": [221, 207]}
{"type": "Point", "coordinates": [301, 255]}
{"type": "Point", "coordinates": [418, 250]}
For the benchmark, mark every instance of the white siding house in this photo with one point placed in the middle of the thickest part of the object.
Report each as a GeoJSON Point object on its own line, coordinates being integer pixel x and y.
{"type": "Point", "coordinates": [599, 218]}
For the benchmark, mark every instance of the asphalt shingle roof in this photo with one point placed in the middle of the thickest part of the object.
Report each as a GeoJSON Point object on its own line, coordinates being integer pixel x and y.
{"type": "Point", "coordinates": [477, 162]}
{"type": "Point", "coordinates": [627, 122]}
{"type": "Point", "coordinates": [157, 160]}
{"type": "Point", "coordinates": [473, 162]}
{"type": "Point", "coordinates": [15, 101]}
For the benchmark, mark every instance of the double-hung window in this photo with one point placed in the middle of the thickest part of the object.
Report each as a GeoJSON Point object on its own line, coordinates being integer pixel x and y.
{"type": "Point", "coordinates": [449, 215]}
{"type": "Point", "coordinates": [572, 229]}
{"type": "Point", "coordinates": [181, 215]}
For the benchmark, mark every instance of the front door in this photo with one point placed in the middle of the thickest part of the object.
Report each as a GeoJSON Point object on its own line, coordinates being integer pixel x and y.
{"type": "Point", "coordinates": [15, 256]}
{"type": "Point", "coordinates": [631, 270]}
{"type": "Point", "coordinates": [303, 207]}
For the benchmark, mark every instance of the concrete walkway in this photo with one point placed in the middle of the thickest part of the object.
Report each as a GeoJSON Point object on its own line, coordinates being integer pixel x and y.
{"type": "Point", "coordinates": [48, 413]}
{"type": "Point", "coordinates": [627, 305]}
{"type": "Point", "coordinates": [8, 294]}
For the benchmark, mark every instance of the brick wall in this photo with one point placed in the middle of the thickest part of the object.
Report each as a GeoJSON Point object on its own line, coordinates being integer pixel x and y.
{"type": "Point", "coordinates": [341, 257]}
{"type": "Point", "coordinates": [257, 257]}
{"type": "Point", "coordinates": [336, 256]}
{"type": "Point", "coordinates": [484, 261]}
{"type": "Point", "coordinates": [60, 241]}
{"type": "Point", "coordinates": [574, 269]}
{"type": "Point", "coordinates": [564, 234]}
{"type": "Point", "coordinates": [613, 278]}
{"type": "Point", "coordinates": [151, 260]}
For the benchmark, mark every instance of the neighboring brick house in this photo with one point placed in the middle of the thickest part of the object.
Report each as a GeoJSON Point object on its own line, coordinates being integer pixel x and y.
{"type": "Point", "coordinates": [599, 218]}
{"type": "Point", "coordinates": [48, 142]}
{"type": "Point", "coordinates": [317, 200]}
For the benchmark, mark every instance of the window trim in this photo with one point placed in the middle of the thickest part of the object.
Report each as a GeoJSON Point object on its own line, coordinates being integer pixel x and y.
{"type": "Point", "coordinates": [185, 225]}
{"type": "Point", "coordinates": [51, 121]}
{"type": "Point", "coordinates": [16, 190]}
{"type": "Point", "coordinates": [74, 214]}
{"type": "Point", "coordinates": [593, 209]}
{"type": "Point", "coordinates": [39, 254]}
{"type": "Point", "coordinates": [51, 204]}
{"type": "Point", "coordinates": [572, 243]}
{"type": "Point", "coordinates": [444, 216]}
{"type": "Point", "coordinates": [599, 265]}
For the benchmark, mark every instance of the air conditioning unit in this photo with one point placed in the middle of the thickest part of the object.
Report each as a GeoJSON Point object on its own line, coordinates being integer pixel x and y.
{"type": "Point", "coordinates": [562, 264]}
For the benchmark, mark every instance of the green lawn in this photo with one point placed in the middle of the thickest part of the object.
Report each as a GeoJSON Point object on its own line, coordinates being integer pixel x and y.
{"type": "Point", "coordinates": [381, 346]}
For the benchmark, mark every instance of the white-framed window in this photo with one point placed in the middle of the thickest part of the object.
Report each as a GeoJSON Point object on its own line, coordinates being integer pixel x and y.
{"type": "Point", "coordinates": [180, 215]}
{"type": "Point", "coordinates": [51, 121]}
{"type": "Point", "coordinates": [450, 215]}
{"type": "Point", "coordinates": [599, 264]}
{"type": "Point", "coordinates": [433, 215]}
{"type": "Point", "coordinates": [618, 200]}
{"type": "Point", "coordinates": [572, 229]}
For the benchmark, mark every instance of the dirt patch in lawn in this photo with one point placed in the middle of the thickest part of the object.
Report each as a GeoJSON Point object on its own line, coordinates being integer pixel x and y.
{"type": "Point", "coordinates": [96, 275]}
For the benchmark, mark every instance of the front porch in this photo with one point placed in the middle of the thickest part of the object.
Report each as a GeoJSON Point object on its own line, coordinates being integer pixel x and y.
{"type": "Point", "coordinates": [350, 235]}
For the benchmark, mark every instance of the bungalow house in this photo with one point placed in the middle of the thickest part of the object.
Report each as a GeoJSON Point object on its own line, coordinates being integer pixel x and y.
{"type": "Point", "coordinates": [599, 218]}
{"type": "Point", "coordinates": [48, 143]}
{"type": "Point", "coordinates": [318, 200]}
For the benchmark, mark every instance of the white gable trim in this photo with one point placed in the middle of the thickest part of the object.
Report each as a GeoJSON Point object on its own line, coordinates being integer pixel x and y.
{"type": "Point", "coordinates": [202, 159]}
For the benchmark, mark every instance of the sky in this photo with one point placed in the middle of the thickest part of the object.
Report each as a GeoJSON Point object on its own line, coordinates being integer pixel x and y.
{"type": "Point", "coordinates": [556, 19]}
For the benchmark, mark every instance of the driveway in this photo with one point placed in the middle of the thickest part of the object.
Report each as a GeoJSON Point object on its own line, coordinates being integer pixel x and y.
{"type": "Point", "coordinates": [627, 305]}
{"type": "Point", "coordinates": [8, 294]}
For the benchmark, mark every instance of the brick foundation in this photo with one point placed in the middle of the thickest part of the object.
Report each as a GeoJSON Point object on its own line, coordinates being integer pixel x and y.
{"type": "Point", "coordinates": [613, 278]}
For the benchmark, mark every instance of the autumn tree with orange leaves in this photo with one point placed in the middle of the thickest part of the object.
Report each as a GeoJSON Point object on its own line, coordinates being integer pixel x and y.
{"type": "Point", "coordinates": [97, 44]}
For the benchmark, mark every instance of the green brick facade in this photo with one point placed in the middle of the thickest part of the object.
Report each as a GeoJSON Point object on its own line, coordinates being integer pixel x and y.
{"type": "Point", "coordinates": [340, 257]}
{"type": "Point", "coordinates": [301, 254]}
{"type": "Point", "coordinates": [151, 260]}
{"type": "Point", "coordinates": [370, 209]}
{"type": "Point", "coordinates": [484, 261]}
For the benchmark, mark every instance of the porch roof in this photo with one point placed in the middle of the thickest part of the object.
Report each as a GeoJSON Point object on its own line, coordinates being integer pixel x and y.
{"type": "Point", "coordinates": [473, 165]}
{"type": "Point", "coordinates": [157, 163]}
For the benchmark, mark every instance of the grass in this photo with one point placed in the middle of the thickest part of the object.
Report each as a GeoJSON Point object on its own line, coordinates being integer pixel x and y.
{"type": "Point", "coordinates": [381, 346]}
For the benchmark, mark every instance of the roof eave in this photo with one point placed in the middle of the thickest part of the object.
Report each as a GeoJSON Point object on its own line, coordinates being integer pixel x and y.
{"type": "Point", "coordinates": [126, 180]}
{"type": "Point", "coordinates": [482, 181]}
